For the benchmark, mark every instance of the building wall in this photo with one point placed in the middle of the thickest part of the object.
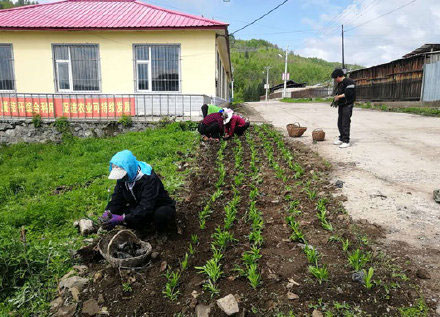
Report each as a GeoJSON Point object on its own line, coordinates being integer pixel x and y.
{"type": "Point", "coordinates": [34, 70]}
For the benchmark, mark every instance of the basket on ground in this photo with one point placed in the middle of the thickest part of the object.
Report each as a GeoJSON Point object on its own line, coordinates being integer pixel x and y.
{"type": "Point", "coordinates": [295, 129]}
{"type": "Point", "coordinates": [108, 244]}
{"type": "Point", "coordinates": [318, 135]}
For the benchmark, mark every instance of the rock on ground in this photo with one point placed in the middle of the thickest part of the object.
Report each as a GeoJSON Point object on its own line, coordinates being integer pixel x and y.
{"type": "Point", "coordinates": [86, 227]}
{"type": "Point", "coordinates": [66, 311]}
{"type": "Point", "coordinates": [75, 281]}
{"type": "Point", "coordinates": [90, 308]}
{"type": "Point", "coordinates": [437, 196]}
{"type": "Point", "coordinates": [56, 303]}
{"type": "Point", "coordinates": [228, 305]}
{"type": "Point", "coordinates": [317, 313]}
{"type": "Point", "coordinates": [203, 310]}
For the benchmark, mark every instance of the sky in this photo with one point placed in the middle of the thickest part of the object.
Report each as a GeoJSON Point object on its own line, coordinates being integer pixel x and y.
{"type": "Point", "coordinates": [377, 31]}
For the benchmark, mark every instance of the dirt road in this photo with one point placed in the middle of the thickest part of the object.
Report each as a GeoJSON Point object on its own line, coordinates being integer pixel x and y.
{"type": "Point", "coordinates": [389, 173]}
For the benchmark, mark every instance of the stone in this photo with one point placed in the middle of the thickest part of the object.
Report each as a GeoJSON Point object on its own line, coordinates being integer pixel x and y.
{"type": "Point", "coordinates": [104, 311]}
{"type": "Point", "coordinates": [339, 184]}
{"type": "Point", "coordinates": [436, 195]}
{"type": "Point", "coordinates": [358, 277]}
{"type": "Point", "coordinates": [292, 283]}
{"type": "Point", "coordinates": [155, 255]}
{"type": "Point", "coordinates": [292, 296]}
{"type": "Point", "coordinates": [97, 277]}
{"type": "Point", "coordinates": [317, 313]}
{"type": "Point", "coordinates": [101, 299]}
{"type": "Point", "coordinates": [438, 310]}
{"type": "Point", "coordinates": [274, 277]}
{"type": "Point", "coordinates": [86, 227]}
{"type": "Point", "coordinates": [56, 303]}
{"type": "Point", "coordinates": [423, 274]}
{"type": "Point", "coordinates": [193, 303]}
{"type": "Point", "coordinates": [228, 305]}
{"type": "Point", "coordinates": [75, 281]}
{"type": "Point", "coordinates": [163, 266]}
{"type": "Point", "coordinates": [195, 294]}
{"type": "Point", "coordinates": [90, 308]}
{"type": "Point", "coordinates": [203, 310]}
{"type": "Point", "coordinates": [76, 224]}
{"type": "Point", "coordinates": [81, 269]}
{"type": "Point", "coordinates": [66, 311]}
{"type": "Point", "coordinates": [75, 294]}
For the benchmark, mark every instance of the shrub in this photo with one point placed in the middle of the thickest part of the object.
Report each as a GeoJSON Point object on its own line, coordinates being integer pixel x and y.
{"type": "Point", "coordinates": [126, 121]}
{"type": "Point", "coordinates": [62, 125]}
{"type": "Point", "coordinates": [36, 120]}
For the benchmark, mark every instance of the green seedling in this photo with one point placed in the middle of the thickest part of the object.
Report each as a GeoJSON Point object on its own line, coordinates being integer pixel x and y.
{"type": "Point", "coordinates": [256, 238]}
{"type": "Point", "coordinates": [212, 269]}
{"type": "Point", "coordinates": [126, 287]}
{"type": "Point", "coordinates": [334, 239]}
{"type": "Point", "coordinates": [345, 245]}
{"type": "Point", "coordinates": [327, 225]}
{"type": "Point", "coordinates": [368, 278]}
{"type": "Point", "coordinates": [191, 249]}
{"type": "Point", "coordinates": [222, 238]}
{"type": "Point", "coordinates": [358, 259]}
{"type": "Point", "coordinates": [311, 254]}
{"type": "Point", "coordinates": [184, 263]}
{"type": "Point", "coordinates": [171, 291]}
{"type": "Point", "coordinates": [320, 273]}
{"type": "Point", "coordinates": [311, 194]}
{"type": "Point", "coordinates": [210, 286]}
{"type": "Point", "coordinates": [194, 239]}
{"type": "Point", "coordinates": [251, 256]}
{"type": "Point", "coordinates": [253, 276]}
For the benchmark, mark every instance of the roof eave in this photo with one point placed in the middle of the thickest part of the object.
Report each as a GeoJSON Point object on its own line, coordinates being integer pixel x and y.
{"type": "Point", "coordinates": [15, 28]}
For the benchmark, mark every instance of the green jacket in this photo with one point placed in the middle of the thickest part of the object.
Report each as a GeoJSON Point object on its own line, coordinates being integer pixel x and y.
{"type": "Point", "coordinates": [213, 109]}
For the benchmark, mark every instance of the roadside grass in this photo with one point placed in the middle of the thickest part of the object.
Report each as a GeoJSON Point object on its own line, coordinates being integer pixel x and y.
{"type": "Point", "coordinates": [306, 100]}
{"type": "Point", "coordinates": [45, 187]}
{"type": "Point", "coordinates": [423, 111]}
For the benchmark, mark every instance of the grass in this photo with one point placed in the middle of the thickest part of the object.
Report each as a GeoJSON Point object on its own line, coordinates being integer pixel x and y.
{"type": "Point", "coordinates": [305, 100]}
{"type": "Point", "coordinates": [423, 111]}
{"type": "Point", "coordinates": [78, 168]}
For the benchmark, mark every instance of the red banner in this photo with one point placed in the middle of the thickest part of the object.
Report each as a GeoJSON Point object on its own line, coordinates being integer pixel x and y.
{"type": "Point", "coordinates": [69, 106]}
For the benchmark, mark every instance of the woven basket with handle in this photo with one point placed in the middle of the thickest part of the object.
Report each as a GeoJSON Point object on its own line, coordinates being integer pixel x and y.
{"type": "Point", "coordinates": [109, 243]}
{"type": "Point", "coordinates": [318, 135]}
{"type": "Point", "coordinates": [295, 129]}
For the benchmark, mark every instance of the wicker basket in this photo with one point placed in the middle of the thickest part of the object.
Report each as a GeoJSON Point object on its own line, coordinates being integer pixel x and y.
{"type": "Point", "coordinates": [108, 243]}
{"type": "Point", "coordinates": [318, 135]}
{"type": "Point", "coordinates": [295, 130]}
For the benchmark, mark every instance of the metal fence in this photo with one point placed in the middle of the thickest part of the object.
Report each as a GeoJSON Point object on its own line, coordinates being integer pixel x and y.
{"type": "Point", "coordinates": [101, 106]}
{"type": "Point", "coordinates": [431, 82]}
{"type": "Point", "coordinates": [321, 92]}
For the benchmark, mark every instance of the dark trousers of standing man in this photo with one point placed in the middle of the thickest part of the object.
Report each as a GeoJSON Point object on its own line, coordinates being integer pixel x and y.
{"type": "Point", "coordinates": [344, 122]}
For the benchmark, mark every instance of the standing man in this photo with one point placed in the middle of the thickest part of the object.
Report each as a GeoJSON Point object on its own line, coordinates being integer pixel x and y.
{"type": "Point", "coordinates": [344, 99]}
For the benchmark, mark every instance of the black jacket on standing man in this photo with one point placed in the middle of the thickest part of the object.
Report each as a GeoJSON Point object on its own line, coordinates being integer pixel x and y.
{"type": "Point", "coordinates": [347, 87]}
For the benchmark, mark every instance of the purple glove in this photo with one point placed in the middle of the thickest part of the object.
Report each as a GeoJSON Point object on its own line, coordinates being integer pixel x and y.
{"type": "Point", "coordinates": [106, 216]}
{"type": "Point", "coordinates": [113, 222]}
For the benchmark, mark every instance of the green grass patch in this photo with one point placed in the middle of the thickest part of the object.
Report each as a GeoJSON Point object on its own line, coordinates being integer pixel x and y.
{"type": "Point", "coordinates": [45, 187]}
{"type": "Point", "coordinates": [306, 100]}
{"type": "Point", "coordinates": [423, 111]}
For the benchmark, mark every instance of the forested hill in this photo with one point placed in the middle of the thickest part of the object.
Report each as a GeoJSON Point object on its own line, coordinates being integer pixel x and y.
{"type": "Point", "coordinates": [249, 59]}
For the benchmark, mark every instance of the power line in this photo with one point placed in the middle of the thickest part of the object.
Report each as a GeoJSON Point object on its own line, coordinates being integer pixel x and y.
{"type": "Point", "coordinates": [382, 15]}
{"type": "Point", "coordinates": [261, 17]}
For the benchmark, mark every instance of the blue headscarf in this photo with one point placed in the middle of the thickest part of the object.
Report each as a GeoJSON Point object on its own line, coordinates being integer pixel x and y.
{"type": "Point", "coordinates": [128, 162]}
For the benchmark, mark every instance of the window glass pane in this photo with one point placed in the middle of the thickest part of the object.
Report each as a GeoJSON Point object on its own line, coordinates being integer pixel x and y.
{"type": "Point", "coordinates": [165, 67]}
{"type": "Point", "coordinates": [85, 73]}
{"type": "Point", "coordinates": [61, 52]}
{"type": "Point", "coordinates": [6, 68]}
{"type": "Point", "coordinates": [142, 70]}
{"type": "Point", "coordinates": [63, 75]}
{"type": "Point", "coordinates": [142, 53]}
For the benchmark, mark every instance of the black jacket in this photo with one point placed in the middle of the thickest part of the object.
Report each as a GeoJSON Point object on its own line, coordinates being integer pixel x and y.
{"type": "Point", "coordinates": [347, 87]}
{"type": "Point", "coordinates": [139, 205]}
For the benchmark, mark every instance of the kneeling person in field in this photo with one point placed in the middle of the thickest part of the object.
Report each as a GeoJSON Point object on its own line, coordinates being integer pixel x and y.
{"type": "Point", "coordinates": [139, 198]}
{"type": "Point", "coordinates": [234, 124]}
{"type": "Point", "coordinates": [211, 127]}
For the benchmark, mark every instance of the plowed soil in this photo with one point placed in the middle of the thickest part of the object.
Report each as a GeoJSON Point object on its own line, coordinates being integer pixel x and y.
{"type": "Point", "coordinates": [139, 292]}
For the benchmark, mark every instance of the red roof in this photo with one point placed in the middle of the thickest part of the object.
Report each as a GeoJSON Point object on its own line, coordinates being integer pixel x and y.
{"type": "Point", "coordinates": [100, 14]}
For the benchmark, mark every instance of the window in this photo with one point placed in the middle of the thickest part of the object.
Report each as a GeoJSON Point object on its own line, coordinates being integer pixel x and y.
{"type": "Point", "coordinates": [157, 67]}
{"type": "Point", "coordinates": [77, 67]}
{"type": "Point", "coordinates": [7, 81]}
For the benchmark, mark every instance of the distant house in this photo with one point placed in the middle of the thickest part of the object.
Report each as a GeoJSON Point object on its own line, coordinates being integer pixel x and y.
{"type": "Point", "coordinates": [94, 58]}
{"type": "Point", "coordinates": [411, 78]}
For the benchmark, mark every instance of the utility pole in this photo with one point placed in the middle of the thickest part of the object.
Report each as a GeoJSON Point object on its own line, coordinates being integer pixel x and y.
{"type": "Point", "coordinates": [267, 82]}
{"type": "Point", "coordinates": [343, 53]}
{"type": "Point", "coordinates": [285, 74]}
{"type": "Point", "coordinates": [232, 83]}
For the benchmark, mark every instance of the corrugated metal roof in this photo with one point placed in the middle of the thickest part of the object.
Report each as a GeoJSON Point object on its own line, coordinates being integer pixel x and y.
{"type": "Point", "coordinates": [424, 49]}
{"type": "Point", "coordinates": [100, 14]}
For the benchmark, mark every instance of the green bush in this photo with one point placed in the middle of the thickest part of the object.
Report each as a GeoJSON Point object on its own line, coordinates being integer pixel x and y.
{"type": "Point", "coordinates": [36, 120]}
{"type": "Point", "coordinates": [126, 121]}
{"type": "Point", "coordinates": [62, 125]}
{"type": "Point", "coordinates": [31, 173]}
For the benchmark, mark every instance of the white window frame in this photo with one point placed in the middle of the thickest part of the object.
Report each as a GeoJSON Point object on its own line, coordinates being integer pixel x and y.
{"type": "Point", "coordinates": [150, 71]}
{"type": "Point", "coordinates": [69, 63]}
{"type": "Point", "coordinates": [13, 69]}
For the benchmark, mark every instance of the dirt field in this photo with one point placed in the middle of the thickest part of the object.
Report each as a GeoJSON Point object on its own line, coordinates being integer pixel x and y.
{"type": "Point", "coordinates": [286, 184]}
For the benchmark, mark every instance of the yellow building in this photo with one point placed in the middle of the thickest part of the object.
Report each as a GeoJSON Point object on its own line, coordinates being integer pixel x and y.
{"type": "Point", "coordinates": [90, 58]}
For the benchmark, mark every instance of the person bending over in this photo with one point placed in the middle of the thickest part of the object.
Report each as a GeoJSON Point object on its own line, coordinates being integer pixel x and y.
{"type": "Point", "coordinates": [211, 127]}
{"type": "Point", "coordinates": [234, 124]}
{"type": "Point", "coordinates": [209, 109]}
{"type": "Point", "coordinates": [139, 198]}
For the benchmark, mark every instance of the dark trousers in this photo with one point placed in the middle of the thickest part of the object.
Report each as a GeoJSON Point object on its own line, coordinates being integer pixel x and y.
{"type": "Point", "coordinates": [241, 130]}
{"type": "Point", "coordinates": [211, 131]}
{"type": "Point", "coordinates": [344, 122]}
{"type": "Point", "coordinates": [162, 218]}
{"type": "Point", "coordinates": [205, 110]}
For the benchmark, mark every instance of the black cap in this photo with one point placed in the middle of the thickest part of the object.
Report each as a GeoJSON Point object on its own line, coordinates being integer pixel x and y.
{"type": "Point", "coordinates": [338, 72]}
